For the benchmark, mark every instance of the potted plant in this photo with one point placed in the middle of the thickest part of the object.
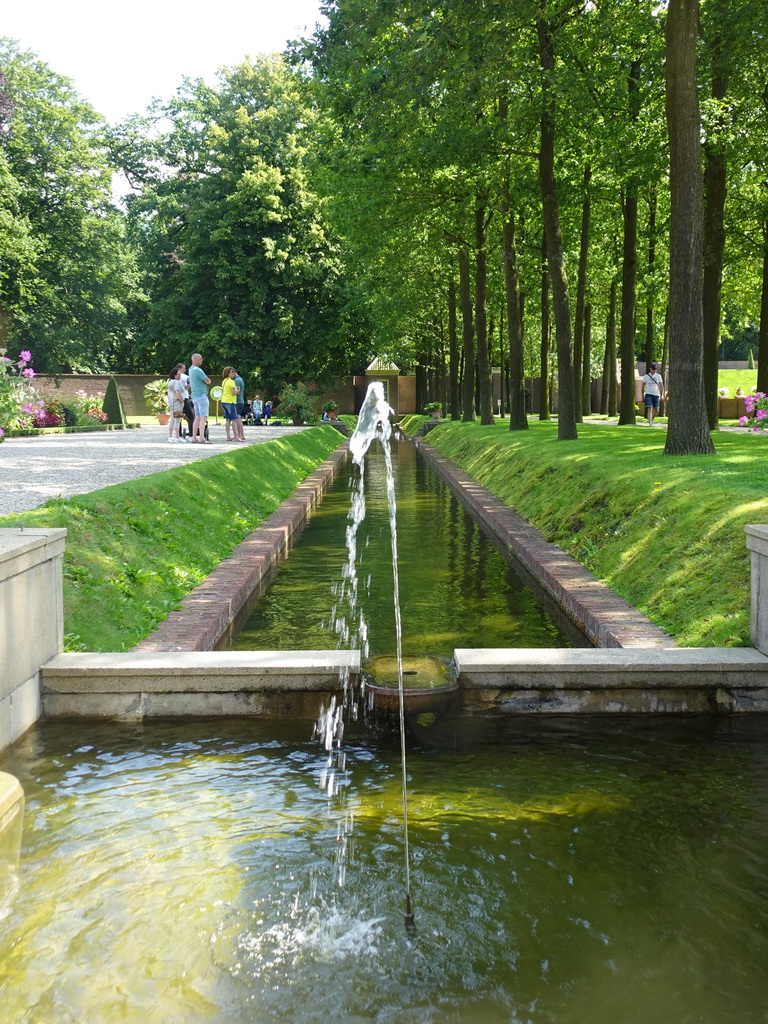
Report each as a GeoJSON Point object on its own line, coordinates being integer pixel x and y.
{"type": "Point", "coordinates": [295, 401]}
{"type": "Point", "coordinates": [332, 408]}
{"type": "Point", "coordinates": [727, 407]}
{"type": "Point", "coordinates": [434, 409]}
{"type": "Point", "coordinates": [156, 397]}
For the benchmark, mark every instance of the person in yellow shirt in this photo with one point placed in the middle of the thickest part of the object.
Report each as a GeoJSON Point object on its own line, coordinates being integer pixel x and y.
{"type": "Point", "coordinates": [229, 392]}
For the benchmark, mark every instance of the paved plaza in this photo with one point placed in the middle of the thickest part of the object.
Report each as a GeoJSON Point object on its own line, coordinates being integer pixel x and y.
{"type": "Point", "coordinates": [35, 469]}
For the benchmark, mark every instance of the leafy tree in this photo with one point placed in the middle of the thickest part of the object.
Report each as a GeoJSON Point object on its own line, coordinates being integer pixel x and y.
{"type": "Point", "coordinates": [239, 259]}
{"type": "Point", "coordinates": [67, 272]}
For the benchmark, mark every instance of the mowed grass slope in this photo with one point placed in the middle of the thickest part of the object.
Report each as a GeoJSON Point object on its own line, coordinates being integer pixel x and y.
{"type": "Point", "coordinates": [134, 550]}
{"type": "Point", "coordinates": [666, 533]}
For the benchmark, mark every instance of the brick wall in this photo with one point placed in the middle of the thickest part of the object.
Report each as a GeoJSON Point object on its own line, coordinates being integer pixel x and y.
{"type": "Point", "coordinates": [347, 391]}
{"type": "Point", "coordinates": [130, 386]}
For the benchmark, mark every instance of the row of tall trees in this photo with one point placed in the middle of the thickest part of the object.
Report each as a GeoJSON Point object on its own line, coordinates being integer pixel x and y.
{"type": "Point", "coordinates": [534, 161]}
{"type": "Point", "coordinates": [454, 185]}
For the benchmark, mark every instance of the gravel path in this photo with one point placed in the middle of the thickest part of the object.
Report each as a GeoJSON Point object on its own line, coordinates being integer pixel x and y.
{"type": "Point", "coordinates": [35, 469]}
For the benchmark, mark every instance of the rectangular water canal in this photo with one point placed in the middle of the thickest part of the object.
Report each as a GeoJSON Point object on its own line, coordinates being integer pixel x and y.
{"type": "Point", "coordinates": [603, 871]}
{"type": "Point", "coordinates": [456, 588]}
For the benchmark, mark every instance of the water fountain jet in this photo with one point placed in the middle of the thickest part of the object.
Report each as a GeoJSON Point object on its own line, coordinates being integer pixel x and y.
{"type": "Point", "coordinates": [374, 421]}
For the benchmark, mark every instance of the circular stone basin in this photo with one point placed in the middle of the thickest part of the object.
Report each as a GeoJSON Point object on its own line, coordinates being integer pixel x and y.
{"type": "Point", "coordinates": [426, 681]}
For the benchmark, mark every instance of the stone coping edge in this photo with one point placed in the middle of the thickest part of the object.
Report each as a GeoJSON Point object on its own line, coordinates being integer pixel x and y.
{"type": "Point", "coordinates": [207, 612]}
{"type": "Point", "coordinates": [547, 668]}
{"type": "Point", "coordinates": [280, 684]}
{"type": "Point", "coordinates": [10, 793]}
{"type": "Point", "coordinates": [757, 538]}
{"type": "Point", "coordinates": [187, 671]}
{"type": "Point", "coordinates": [23, 547]}
{"type": "Point", "coordinates": [606, 619]}
{"type": "Point", "coordinates": [688, 668]}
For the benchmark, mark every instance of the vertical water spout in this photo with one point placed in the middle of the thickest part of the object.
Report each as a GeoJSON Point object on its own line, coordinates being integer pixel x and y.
{"type": "Point", "coordinates": [373, 421]}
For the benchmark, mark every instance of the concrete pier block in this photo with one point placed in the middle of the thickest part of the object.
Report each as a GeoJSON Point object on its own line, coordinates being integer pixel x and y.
{"type": "Point", "coordinates": [614, 680]}
{"type": "Point", "coordinates": [143, 684]}
{"type": "Point", "coordinates": [31, 622]}
{"type": "Point", "coordinates": [757, 542]}
{"type": "Point", "coordinates": [11, 820]}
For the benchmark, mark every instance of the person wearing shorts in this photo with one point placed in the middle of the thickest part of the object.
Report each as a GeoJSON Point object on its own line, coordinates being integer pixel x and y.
{"type": "Point", "coordinates": [229, 390]}
{"type": "Point", "coordinates": [240, 406]}
{"type": "Point", "coordinates": [198, 385]}
{"type": "Point", "coordinates": [653, 386]}
{"type": "Point", "coordinates": [175, 404]}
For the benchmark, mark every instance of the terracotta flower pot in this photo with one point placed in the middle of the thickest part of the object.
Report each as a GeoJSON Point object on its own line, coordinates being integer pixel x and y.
{"type": "Point", "coordinates": [162, 418]}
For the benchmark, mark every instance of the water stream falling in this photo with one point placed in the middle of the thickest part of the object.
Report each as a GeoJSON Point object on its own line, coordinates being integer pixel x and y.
{"type": "Point", "coordinates": [373, 422]}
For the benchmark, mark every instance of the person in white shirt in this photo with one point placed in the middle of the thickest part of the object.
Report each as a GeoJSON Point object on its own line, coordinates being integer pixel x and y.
{"type": "Point", "coordinates": [175, 404]}
{"type": "Point", "coordinates": [189, 412]}
{"type": "Point", "coordinates": [653, 390]}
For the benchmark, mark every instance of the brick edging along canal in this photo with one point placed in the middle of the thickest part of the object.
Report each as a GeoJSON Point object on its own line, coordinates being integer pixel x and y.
{"type": "Point", "coordinates": [206, 613]}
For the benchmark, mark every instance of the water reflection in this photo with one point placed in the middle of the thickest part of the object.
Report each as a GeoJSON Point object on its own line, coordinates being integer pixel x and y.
{"type": "Point", "coordinates": [595, 871]}
{"type": "Point", "coordinates": [456, 589]}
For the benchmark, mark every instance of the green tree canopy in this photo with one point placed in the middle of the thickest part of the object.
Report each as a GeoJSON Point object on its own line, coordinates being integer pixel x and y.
{"type": "Point", "coordinates": [67, 274]}
{"type": "Point", "coordinates": [240, 263]}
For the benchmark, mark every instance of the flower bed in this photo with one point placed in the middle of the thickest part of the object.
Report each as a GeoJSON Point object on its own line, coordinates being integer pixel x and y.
{"type": "Point", "coordinates": [757, 412]}
{"type": "Point", "coordinates": [24, 413]}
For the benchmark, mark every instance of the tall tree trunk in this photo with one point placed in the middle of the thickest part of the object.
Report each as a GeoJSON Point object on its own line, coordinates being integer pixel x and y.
{"type": "Point", "coordinates": [526, 394]}
{"type": "Point", "coordinates": [666, 343]}
{"type": "Point", "coordinates": [688, 431]}
{"type": "Point", "coordinates": [544, 395]}
{"type": "Point", "coordinates": [581, 292]}
{"type": "Point", "coordinates": [503, 367]}
{"type": "Point", "coordinates": [629, 269]}
{"type": "Point", "coordinates": [610, 383]}
{"type": "Point", "coordinates": [715, 188]}
{"type": "Point", "coordinates": [762, 351]}
{"type": "Point", "coordinates": [468, 339]}
{"type": "Point", "coordinates": [429, 367]}
{"type": "Point", "coordinates": [517, 418]}
{"type": "Point", "coordinates": [650, 325]}
{"type": "Point", "coordinates": [628, 294]}
{"type": "Point", "coordinates": [454, 399]}
{"type": "Point", "coordinates": [421, 382]}
{"type": "Point", "coordinates": [586, 374]}
{"type": "Point", "coordinates": [566, 414]}
{"type": "Point", "coordinates": [484, 395]}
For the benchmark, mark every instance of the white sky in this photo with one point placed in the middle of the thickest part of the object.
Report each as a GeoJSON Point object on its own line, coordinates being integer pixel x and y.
{"type": "Point", "coordinates": [121, 56]}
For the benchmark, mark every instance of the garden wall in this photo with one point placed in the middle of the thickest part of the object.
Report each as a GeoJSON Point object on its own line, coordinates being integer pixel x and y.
{"type": "Point", "coordinates": [130, 385]}
{"type": "Point", "coordinates": [345, 390]}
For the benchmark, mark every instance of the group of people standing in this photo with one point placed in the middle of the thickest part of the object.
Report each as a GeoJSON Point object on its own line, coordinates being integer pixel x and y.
{"type": "Point", "coordinates": [188, 399]}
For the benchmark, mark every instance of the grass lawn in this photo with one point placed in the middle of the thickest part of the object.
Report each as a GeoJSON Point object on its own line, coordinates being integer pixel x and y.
{"type": "Point", "coordinates": [135, 549]}
{"type": "Point", "coordinates": [734, 379]}
{"type": "Point", "coordinates": [666, 533]}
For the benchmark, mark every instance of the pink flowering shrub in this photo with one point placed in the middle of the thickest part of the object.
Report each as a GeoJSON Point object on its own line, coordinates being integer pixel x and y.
{"type": "Point", "coordinates": [757, 411]}
{"type": "Point", "coordinates": [19, 402]}
{"type": "Point", "coordinates": [85, 407]}
{"type": "Point", "coordinates": [51, 415]}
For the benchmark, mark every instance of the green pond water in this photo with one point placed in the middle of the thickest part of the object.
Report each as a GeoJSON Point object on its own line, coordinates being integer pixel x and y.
{"type": "Point", "coordinates": [574, 872]}
{"type": "Point", "coordinates": [456, 589]}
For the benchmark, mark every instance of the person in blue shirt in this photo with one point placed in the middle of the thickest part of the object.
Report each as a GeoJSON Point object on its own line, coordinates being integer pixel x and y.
{"type": "Point", "coordinates": [198, 385]}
